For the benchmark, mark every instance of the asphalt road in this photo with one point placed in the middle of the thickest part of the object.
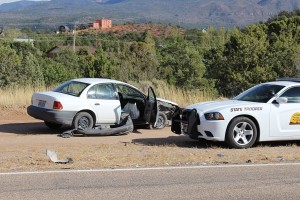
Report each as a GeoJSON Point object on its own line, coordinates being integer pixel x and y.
{"type": "Point", "coordinates": [228, 182]}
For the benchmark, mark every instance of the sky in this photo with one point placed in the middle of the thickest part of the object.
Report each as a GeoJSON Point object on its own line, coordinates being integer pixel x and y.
{"type": "Point", "coordinates": [9, 1]}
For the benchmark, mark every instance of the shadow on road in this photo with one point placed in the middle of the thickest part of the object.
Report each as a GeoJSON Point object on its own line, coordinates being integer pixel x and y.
{"type": "Point", "coordinates": [179, 141]}
{"type": "Point", "coordinates": [38, 128]}
{"type": "Point", "coordinates": [291, 143]}
{"type": "Point", "coordinates": [185, 142]}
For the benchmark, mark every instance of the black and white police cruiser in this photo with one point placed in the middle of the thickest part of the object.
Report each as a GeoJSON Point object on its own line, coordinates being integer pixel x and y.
{"type": "Point", "coordinates": [266, 112]}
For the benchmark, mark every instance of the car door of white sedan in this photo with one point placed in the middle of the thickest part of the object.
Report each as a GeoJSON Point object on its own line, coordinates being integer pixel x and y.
{"type": "Point", "coordinates": [105, 102]}
{"type": "Point", "coordinates": [285, 117]}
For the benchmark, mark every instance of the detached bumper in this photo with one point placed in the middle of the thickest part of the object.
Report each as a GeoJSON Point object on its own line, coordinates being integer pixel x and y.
{"type": "Point", "coordinates": [54, 116]}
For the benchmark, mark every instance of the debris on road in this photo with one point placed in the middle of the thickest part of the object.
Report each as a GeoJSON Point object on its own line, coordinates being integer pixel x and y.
{"type": "Point", "coordinates": [52, 155]}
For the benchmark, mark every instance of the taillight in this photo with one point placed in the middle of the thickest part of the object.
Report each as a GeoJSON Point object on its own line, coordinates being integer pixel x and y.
{"type": "Point", "coordinates": [57, 105]}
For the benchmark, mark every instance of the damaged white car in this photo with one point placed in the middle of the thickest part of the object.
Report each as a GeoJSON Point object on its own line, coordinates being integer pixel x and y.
{"type": "Point", "coordinates": [266, 112]}
{"type": "Point", "coordinates": [89, 102]}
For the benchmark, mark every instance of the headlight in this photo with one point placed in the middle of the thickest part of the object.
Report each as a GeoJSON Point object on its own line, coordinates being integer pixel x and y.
{"type": "Point", "coordinates": [213, 116]}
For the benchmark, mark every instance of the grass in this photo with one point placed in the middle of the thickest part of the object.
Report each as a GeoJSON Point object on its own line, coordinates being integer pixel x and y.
{"type": "Point", "coordinates": [183, 97]}
{"type": "Point", "coordinates": [21, 96]}
{"type": "Point", "coordinates": [91, 156]}
{"type": "Point", "coordinates": [18, 96]}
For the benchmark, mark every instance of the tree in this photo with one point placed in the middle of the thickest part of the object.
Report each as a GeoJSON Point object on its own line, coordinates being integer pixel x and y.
{"type": "Point", "coordinates": [242, 63]}
{"type": "Point", "coordinates": [181, 63]}
{"type": "Point", "coordinates": [19, 67]}
{"type": "Point", "coordinates": [102, 65]}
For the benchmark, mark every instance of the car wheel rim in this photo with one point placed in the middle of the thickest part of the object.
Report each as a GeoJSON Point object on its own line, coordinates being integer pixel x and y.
{"type": "Point", "coordinates": [160, 122]}
{"type": "Point", "coordinates": [243, 133]}
{"type": "Point", "coordinates": [83, 122]}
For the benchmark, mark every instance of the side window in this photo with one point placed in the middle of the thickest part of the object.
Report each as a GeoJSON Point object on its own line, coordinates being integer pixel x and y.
{"type": "Point", "coordinates": [293, 95]}
{"type": "Point", "coordinates": [129, 92]}
{"type": "Point", "coordinates": [102, 91]}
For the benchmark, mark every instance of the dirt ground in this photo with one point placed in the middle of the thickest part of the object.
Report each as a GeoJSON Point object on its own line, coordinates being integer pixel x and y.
{"type": "Point", "coordinates": [24, 140]}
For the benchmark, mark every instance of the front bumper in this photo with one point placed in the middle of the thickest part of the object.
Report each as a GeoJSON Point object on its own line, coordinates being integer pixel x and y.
{"type": "Point", "coordinates": [201, 128]}
{"type": "Point", "coordinates": [49, 115]}
{"type": "Point", "coordinates": [207, 130]}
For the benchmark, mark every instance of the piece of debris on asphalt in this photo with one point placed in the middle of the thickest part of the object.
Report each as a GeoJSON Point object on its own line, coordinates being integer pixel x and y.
{"type": "Point", "coordinates": [220, 155]}
{"type": "Point", "coordinates": [279, 158]}
{"type": "Point", "coordinates": [67, 134]}
{"type": "Point", "coordinates": [52, 155]}
{"type": "Point", "coordinates": [265, 158]}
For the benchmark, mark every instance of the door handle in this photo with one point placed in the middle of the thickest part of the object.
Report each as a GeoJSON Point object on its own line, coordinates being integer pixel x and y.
{"type": "Point", "coordinates": [97, 104]}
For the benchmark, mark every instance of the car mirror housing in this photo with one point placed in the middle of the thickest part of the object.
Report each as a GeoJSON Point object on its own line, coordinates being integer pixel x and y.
{"type": "Point", "coordinates": [281, 100]}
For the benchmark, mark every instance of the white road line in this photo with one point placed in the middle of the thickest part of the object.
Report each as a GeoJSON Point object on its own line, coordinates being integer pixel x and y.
{"type": "Point", "coordinates": [147, 168]}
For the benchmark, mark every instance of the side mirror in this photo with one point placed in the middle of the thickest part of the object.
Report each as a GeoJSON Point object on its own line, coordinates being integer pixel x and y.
{"type": "Point", "coordinates": [281, 100]}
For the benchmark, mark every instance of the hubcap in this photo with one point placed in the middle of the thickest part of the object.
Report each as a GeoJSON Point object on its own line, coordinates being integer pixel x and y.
{"type": "Point", "coordinates": [83, 122]}
{"type": "Point", "coordinates": [160, 122]}
{"type": "Point", "coordinates": [243, 133]}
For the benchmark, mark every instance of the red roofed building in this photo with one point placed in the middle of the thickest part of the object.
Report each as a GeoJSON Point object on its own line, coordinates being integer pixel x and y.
{"type": "Point", "coordinates": [103, 23]}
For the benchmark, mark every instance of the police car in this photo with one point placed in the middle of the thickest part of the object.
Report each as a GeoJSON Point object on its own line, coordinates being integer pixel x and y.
{"type": "Point", "coordinates": [266, 112]}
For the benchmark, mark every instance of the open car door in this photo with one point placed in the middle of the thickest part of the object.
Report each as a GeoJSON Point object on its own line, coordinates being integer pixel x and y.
{"type": "Point", "coordinates": [176, 121]}
{"type": "Point", "coordinates": [151, 110]}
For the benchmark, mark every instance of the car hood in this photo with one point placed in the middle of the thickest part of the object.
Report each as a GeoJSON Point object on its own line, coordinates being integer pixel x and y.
{"type": "Point", "coordinates": [167, 101]}
{"type": "Point", "coordinates": [219, 105]}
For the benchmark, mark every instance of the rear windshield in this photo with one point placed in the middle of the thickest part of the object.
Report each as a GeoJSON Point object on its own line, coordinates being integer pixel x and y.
{"type": "Point", "coordinates": [260, 93]}
{"type": "Point", "coordinates": [73, 88]}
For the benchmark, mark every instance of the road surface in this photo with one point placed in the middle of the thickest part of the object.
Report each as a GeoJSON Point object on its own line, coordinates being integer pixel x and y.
{"type": "Point", "coordinates": [281, 181]}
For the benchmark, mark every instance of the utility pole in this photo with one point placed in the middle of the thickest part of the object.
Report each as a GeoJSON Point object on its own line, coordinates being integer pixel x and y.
{"type": "Point", "coordinates": [96, 45]}
{"type": "Point", "coordinates": [74, 39]}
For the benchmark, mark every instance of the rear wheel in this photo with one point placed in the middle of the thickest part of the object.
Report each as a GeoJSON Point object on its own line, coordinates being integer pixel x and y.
{"type": "Point", "coordinates": [242, 133]}
{"type": "Point", "coordinates": [52, 125]}
{"type": "Point", "coordinates": [83, 120]}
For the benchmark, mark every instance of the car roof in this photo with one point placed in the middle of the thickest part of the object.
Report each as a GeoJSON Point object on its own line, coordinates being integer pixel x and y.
{"type": "Point", "coordinates": [96, 80]}
{"type": "Point", "coordinates": [101, 80]}
{"type": "Point", "coordinates": [283, 83]}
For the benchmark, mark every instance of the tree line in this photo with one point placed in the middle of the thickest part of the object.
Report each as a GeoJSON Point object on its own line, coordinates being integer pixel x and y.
{"type": "Point", "coordinates": [215, 60]}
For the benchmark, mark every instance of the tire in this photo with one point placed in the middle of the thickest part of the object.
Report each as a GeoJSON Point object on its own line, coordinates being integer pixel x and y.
{"type": "Point", "coordinates": [52, 125]}
{"type": "Point", "coordinates": [241, 133]}
{"type": "Point", "coordinates": [161, 121]}
{"type": "Point", "coordinates": [83, 120]}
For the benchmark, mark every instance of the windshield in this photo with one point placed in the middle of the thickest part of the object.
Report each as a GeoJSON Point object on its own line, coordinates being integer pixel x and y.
{"type": "Point", "coordinates": [260, 93]}
{"type": "Point", "coordinates": [73, 88]}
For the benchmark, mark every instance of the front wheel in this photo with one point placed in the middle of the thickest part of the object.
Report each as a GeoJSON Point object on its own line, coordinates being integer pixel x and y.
{"type": "Point", "coordinates": [83, 120]}
{"type": "Point", "coordinates": [242, 133]}
{"type": "Point", "coordinates": [161, 121]}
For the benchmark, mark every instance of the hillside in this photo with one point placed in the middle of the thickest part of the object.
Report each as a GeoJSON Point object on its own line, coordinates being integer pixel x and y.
{"type": "Point", "coordinates": [190, 13]}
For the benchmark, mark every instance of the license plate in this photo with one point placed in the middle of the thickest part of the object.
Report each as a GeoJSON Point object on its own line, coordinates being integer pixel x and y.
{"type": "Point", "coordinates": [42, 103]}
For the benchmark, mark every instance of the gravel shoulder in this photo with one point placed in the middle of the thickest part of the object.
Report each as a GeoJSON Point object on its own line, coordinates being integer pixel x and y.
{"type": "Point", "coordinates": [24, 140]}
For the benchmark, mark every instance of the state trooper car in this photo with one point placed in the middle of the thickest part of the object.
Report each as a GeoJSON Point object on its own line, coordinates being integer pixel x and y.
{"type": "Point", "coordinates": [266, 112]}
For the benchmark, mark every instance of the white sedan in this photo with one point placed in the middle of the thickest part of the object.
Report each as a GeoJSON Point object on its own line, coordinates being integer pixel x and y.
{"type": "Point", "coordinates": [89, 102]}
{"type": "Point", "coordinates": [266, 112]}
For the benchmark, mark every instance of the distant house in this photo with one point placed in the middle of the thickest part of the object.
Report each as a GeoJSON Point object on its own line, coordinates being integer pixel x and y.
{"type": "Point", "coordinates": [103, 23]}
{"type": "Point", "coordinates": [55, 50]}
{"type": "Point", "coordinates": [30, 41]}
{"type": "Point", "coordinates": [63, 28]}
